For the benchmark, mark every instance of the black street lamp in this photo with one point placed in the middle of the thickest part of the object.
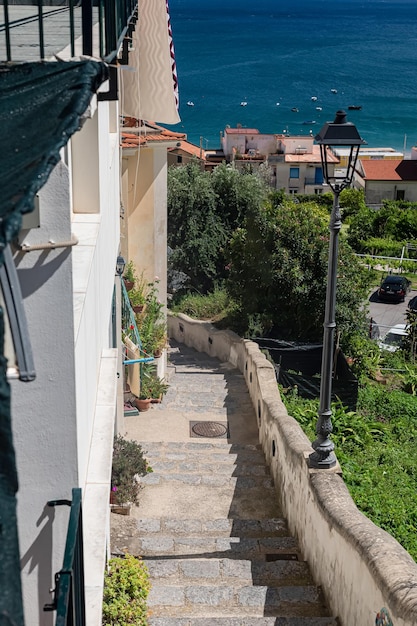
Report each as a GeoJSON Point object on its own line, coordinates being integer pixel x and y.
{"type": "Point", "coordinates": [333, 135]}
{"type": "Point", "coordinates": [120, 265]}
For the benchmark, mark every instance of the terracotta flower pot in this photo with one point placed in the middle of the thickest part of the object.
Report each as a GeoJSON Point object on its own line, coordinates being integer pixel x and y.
{"type": "Point", "coordinates": [138, 308]}
{"type": "Point", "coordinates": [142, 405]}
{"type": "Point", "coordinates": [129, 284]}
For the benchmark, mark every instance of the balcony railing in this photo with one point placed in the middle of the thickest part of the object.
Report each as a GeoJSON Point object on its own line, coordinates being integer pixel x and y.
{"type": "Point", "coordinates": [69, 592]}
{"type": "Point", "coordinates": [130, 328]}
{"type": "Point", "coordinates": [102, 27]}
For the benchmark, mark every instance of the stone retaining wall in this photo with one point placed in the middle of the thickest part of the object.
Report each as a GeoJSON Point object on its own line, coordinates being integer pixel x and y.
{"type": "Point", "coordinates": [360, 567]}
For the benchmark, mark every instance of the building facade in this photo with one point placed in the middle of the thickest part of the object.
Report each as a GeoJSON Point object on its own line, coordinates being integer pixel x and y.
{"type": "Point", "coordinates": [69, 165]}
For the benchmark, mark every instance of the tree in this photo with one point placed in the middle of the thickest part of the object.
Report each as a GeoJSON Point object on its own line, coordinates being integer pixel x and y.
{"type": "Point", "coordinates": [196, 233]}
{"type": "Point", "coordinates": [203, 210]}
{"type": "Point", "coordinates": [278, 270]}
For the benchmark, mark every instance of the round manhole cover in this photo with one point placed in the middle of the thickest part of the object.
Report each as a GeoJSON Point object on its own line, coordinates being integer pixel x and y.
{"type": "Point", "coordinates": [209, 429]}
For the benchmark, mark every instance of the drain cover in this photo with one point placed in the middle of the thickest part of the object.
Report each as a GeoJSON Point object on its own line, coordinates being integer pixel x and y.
{"type": "Point", "coordinates": [208, 429]}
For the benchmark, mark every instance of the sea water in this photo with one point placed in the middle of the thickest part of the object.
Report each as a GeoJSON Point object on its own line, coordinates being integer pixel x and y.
{"type": "Point", "coordinates": [316, 56]}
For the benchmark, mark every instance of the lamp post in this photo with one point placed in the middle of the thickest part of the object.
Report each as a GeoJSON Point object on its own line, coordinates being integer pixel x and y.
{"type": "Point", "coordinates": [337, 134]}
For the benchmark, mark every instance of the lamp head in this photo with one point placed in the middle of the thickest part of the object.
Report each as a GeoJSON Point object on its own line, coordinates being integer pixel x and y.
{"type": "Point", "coordinates": [333, 136]}
{"type": "Point", "coordinates": [120, 265]}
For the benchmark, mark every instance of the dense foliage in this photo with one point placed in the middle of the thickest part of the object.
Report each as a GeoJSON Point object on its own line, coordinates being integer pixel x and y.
{"type": "Point", "coordinates": [278, 270]}
{"type": "Point", "coordinates": [376, 447]}
{"type": "Point", "coordinates": [384, 231]}
{"type": "Point", "coordinates": [126, 589]}
{"type": "Point", "coordinates": [203, 210]}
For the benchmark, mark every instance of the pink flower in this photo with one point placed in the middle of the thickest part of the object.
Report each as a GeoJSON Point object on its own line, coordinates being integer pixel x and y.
{"type": "Point", "coordinates": [114, 488]}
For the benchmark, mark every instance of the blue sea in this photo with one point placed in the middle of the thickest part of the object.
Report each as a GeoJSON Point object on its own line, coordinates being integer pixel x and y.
{"type": "Point", "coordinates": [279, 54]}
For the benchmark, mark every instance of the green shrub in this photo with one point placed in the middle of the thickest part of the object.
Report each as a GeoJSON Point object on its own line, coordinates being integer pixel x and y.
{"type": "Point", "coordinates": [128, 462]}
{"type": "Point", "coordinates": [203, 307]}
{"type": "Point", "coordinates": [376, 448]}
{"type": "Point", "coordinates": [126, 589]}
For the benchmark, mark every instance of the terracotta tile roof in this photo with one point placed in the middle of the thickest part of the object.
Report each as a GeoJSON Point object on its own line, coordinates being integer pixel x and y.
{"type": "Point", "coordinates": [189, 148]}
{"type": "Point", "coordinates": [390, 169]}
{"type": "Point", "coordinates": [147, 132]}
{"type": "Point", "coordinates": [241, 131]}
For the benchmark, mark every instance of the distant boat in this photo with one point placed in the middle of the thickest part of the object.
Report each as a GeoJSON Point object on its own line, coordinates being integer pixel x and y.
{"type": "Point", "coordinates": [314, 98]}
{"type": "Point", "coordinates": [190, 104]}
{"type": "Point", "coordinates": [333, 90]}
{"type": "Point", "coordinates": [277, 104]}
{"type": "Point", "coordinates": [294, 110]}
{"type": "Point", "coordinates": [309, 122]}
{"type": "Point", "coordinates": [243, 103]}
{"type": "Point", "coordinates": [354, 107]}
{"type": "Point", "coordinates": [319, 108]}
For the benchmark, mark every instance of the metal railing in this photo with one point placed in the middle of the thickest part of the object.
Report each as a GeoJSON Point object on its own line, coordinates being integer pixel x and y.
{"type": "Point", "coordinates": [130, 328]}
{"type": "Point", "coordinates": [116, 21]}
{"type": "Point", "coordinates": [69, 592]}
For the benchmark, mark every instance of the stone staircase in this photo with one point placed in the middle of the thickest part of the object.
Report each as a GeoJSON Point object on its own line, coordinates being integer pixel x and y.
{"type": "Point", "coordinates": [210, 530]}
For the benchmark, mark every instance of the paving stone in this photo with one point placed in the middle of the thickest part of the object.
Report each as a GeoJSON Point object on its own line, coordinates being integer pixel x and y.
{"type": "Point", "coordinates": [200, 569]}
{"type": "Point", "coordinates": [209, 596]}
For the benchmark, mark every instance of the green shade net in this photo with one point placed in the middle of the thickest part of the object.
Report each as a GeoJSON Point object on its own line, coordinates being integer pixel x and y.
{"type": "Point", "coordinates": [41, 105]}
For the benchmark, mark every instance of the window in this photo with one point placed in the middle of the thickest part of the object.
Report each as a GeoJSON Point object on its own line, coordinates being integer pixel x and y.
{"type": "Point", "coordinates": [400, 194]}
{"type": "Point", "coordinates": [318, 191]}
{"type": "Point", "coordinates": [179, 158]}
{"type": "Point", "coordinates": [294, 172]}
{"type": "Point", "coordinates": [292, 192]}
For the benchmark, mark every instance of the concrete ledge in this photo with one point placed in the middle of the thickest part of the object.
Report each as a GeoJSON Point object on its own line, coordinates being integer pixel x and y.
{"type": "Point", "coordinates": [360, 567]}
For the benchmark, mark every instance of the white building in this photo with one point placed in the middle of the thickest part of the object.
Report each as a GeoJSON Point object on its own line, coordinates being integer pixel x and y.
{"type": "Point", "coordinates": [294, 161]}
{"type": "Point", "coordinates": [387, 179]}
{"type": "Point", "coordinates": [64, 421]}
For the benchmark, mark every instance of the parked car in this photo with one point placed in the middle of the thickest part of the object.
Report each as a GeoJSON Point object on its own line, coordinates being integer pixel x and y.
{"type": "Point", "coordinates": [412, 305]}
{"type": "Point", "coordinates": [394, 338]}
{"type": "Point", "coordinates": [394, 288]}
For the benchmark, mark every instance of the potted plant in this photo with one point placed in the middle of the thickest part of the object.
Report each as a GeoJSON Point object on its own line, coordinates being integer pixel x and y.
{"type": "Point", "coordinates": [158, 339]}
{"type": "Point", "coordinates": [129, 276]}
{"type": "Point", "coordinates": [159, 388]}
{"type": "Point", "coordinates": [137, 300]}
{"type": "Point", "coordinates": [127, 465]}
{"type": "Point", "coordinates": [152, 388]}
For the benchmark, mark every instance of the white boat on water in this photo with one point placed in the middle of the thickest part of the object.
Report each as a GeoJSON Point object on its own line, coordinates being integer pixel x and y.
{"type": "Point", "coordinates": [243, 103]}
{"type": "Point", "coordinates": [333, 90]}
{"type": "Point", "coordinates": [319, 108]}
{"type": "Point", "coordinates": [314, 98]}
{"type": "Point", "coordinates": [190, 104]}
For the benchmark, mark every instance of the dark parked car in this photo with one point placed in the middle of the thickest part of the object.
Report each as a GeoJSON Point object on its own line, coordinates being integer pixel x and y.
{"type": "Point", "coordinates": [394, 288]}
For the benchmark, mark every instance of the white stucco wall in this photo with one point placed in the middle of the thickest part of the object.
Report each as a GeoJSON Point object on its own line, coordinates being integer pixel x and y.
{"type": "Point", "coordinates": [377, 191]}
{"type": "Point", "coordinates": [44, 411]}
{"type": "Point", "coordinates": [63, 422]}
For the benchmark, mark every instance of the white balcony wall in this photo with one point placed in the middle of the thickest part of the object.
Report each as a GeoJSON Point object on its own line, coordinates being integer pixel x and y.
{"type": "Point", "coordinates": [44, 411]}
{"type": "Point", "coordinates": [63, 422]}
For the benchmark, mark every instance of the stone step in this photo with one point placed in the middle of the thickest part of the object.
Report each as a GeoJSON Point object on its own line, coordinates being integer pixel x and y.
{"type": "Point", "coordinates": [220, 547]}
{"type": "Point", "coordinates": [242, 621]}
{"type": "Point", "coordinates": [196, 465]}
{"type": "Point", "coordinates": [272, 527]}
{"type": "Point", "coordinates": [197, 600]}
{"type": "Point", "coordinates": [228, 572]}
{"type": "Point", "coordinates": [211, 480]}
{"type": "Point", "coordinates": [219, 452]}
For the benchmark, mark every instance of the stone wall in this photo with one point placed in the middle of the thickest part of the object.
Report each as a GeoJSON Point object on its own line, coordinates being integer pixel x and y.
{"type": "Point", "coordinates": [360, 567]}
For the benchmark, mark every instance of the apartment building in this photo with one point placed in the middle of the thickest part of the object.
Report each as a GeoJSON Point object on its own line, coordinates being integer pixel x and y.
{"type": "Point", "coordinates": [69, 75]}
